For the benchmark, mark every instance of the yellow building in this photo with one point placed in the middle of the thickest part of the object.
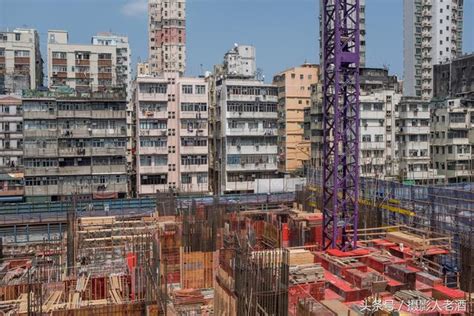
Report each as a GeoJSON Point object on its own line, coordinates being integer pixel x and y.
{"type": "Point", "coordinates": [294, 95]}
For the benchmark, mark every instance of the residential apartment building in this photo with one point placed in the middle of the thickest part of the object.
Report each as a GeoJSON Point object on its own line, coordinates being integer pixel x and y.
{"type": "Point", "coordinates": [11, 149]}
{"type": "Point", "coordinates": [379, 93]}
{"type": "Point", "coordinates": [454, 79]}
{"type": "Point", "coordinates": [245, 135]}
{"type": "Point", "coordinates": [167, 36]}
{"type": "Point", "coordinates": [241, 62]}
{"type": "Point", "coordinates": [451, 150]}
{"type": "Point", "coordinates": [101, 65]}
{"type": "Point", "coordinates": [21, 65]}
{"type": "Point", "coordinates": [413, 139]}
{"type": "Point", "coordinates": [172, 134]}
{"type": "Point", "coordinates": [75, 145]}
{"type": "Point", "coordinates": [294, 96]}
{"type": "Point", "coordinates": [432, 34]}
{"type": "Point", "coordinates": [362, 35]}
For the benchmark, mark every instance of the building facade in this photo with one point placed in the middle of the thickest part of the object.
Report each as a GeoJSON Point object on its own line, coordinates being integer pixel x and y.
{"type": "Point", "coordinates": [245, 135]}
{"type": "Point", "coordinates": [101, 65]}
{"type": "Point", "coordinates": [432, 34]}
{"type": "Point", "coordinates": [455, 78]}
{"type": "Point", "coordinates": [171, 134]}
{"type": "Point", "coordinates": [362, 32]}
{"type": "Point", "coordinates": [379, 93]}
{"type": "Point", "coordinates": [413, 139]}
{"type": "Point", "coordinates": [21, 65]}
{"type": "Point", "coordinates": [452, 120]}
{"type": "Point", "coordinates": [294, 96]}
{"type": "Point", "coordinates": [167, 36]}
{"type": "Point", "coordinates": [11, 149]}
{"type": "Point", "coordinates": [75, 145]}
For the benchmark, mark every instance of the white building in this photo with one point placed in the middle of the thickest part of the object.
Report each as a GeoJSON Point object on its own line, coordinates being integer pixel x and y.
{"type": "Point", "coordinates": [413, 139]}
{"type": "Point", "coordinates": [240, 62]}
{"type": "Point", "coordinates": [104, 63]}
{"type": "Point", "coordinates": [123, 65]}
{"type": "Point", "coordinates": [171, 134]}
{"type": "Point", "coordinates": [379, 94]}
{"type": "Point", "coordinates": [21, 65]}
{"type": "Point", "coordinates": [432, 34]}
{"type": "Point", "coordinates": [11, 134]}
{"type": "Point", "coordinates": [362, 32]}
{"type": "Point", "coordinates": [245, 135]}
{"type": "Point", "coordinates": [451, 150]}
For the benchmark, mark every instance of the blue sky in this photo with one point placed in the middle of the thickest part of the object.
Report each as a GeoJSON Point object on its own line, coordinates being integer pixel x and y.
{"type": "Point", "coordinates": [285, 32]}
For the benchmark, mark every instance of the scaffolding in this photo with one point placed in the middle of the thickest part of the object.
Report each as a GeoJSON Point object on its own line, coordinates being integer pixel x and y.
{"type": "Point", "coordinates": [444, 209]}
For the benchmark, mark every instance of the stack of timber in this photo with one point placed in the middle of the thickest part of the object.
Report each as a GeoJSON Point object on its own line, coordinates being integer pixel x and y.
{"type": "Point", "coordinates": [408, 240]}
{"type": "Point", "coordinates": [300, 257]}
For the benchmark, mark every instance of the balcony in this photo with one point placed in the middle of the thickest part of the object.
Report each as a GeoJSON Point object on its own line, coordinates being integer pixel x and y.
{"type": "Point", "coordinates": [104, 75]}
{"type": "Point", "coordinates": [193, 132]}
{"type": "Point", "coordinates": [158, 97]}
{"type": "Point", "coordinates": [41, 171]}
{"type": "Point", "coordinates": [249, 150]}
{"type": "Point", "coordinates": [193, 150]}
{"type": "Point", "coordinates": [252, 115]}
{"type": "Point", "coordinates": [252, 98]}
{"type": "Point", "coordinates": [193, 115]}
{"type": "Point", "coordinates": [456, 141]}
{"type": "Point", "coordinates": [153, 151]}
{"type": "Point", "coordinates": [108, 151]}
{"type": "Point", "coordinates": [194, 168]}
{"type": "Point", "coordinates": [459, 125]}
{"type": "Point", "coordinates": [456, 156]}
{"type": "Point", "coordinates": [461, 172]}
{"type": "Point", "coordinates": [153, 132]}
{"type": "Point", "coordinates": [252, 132]}
{"type": "Point", "coordinates": [120, 132]}
{"type": "Point", "coordinates": [253, 167]}
{"type": "Point", "coordinates": [372, 115]}
{"type": "Point", "coordinates": [372, 146]}
{"type": "Point", "coordinates": [12, 191]}
{"type": "Point", "coordinates": [153, 114]}
{"type": "Point", "coordinates": [39, 115]}
{"type": "Point", "coordinates": [75, 114]}
{"type": "Point", "coordinates": [82, 62]}
{"type": "Point", "coordinates": [60, 61]}
{"type": "Point", "coordinates": [153, 169]}
{"type": "Point", "coordinates": [426, 33]}
{"type": "Point", "coordinates": [104, 62]}
{"type": "Point", "coordinates": [109, 169]}
{"type": "Point", "coordinates": [38, 133]}
{"type": "Point", "coordinates": [414, 115]}
{"type": "Point", "coordinates": [75, 170]}
{"type": "Point", "coordinates": [74, 151]}
{"type": "Point", "coordinates": [40, 152]}
{"type": "Point", "coordinates": [414, 130]}
{"type": "Point", "coordinates": [109, 114]}
{"type": "Point", "coordinates": [22, 60]}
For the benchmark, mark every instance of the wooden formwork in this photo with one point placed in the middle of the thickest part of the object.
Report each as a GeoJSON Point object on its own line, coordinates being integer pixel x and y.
{"type": "Point", "coordinates": [197, 269]}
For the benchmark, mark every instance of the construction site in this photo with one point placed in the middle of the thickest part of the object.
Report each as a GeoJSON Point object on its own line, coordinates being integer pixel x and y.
{"type": "Point", "coordinates": [340, 244]}
{"type": "Point", "coordinates": [237, 259]}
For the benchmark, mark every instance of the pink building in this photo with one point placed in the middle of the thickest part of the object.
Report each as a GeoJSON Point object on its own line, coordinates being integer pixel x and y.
{"type": "Point", "coordinates": [171, 134]}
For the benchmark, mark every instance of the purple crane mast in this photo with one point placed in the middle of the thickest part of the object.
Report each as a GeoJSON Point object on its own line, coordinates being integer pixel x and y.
{"type": "Point", "coordinates": [341, 44]}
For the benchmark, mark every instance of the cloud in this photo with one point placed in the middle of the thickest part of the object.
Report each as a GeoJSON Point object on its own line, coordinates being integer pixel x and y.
{"type": "Point", "coordinates": [135, 7]}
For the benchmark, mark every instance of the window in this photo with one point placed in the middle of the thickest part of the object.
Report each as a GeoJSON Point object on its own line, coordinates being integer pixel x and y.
{"type": "Point", "coordinates": [186, 178]}
{"type": "Point", "coordinates": [22, 53]}
{"type": "Point", "coordinates": [293, 76]}
{"type": "Point", "coordinates": [379, 138]}
{"type": "Point", "coordinates": [366, 138]}
{"type": "Point", "coordinates": [202, 178]}
{"type": "Point", "coordinates": [301, 77]}
{"type": "Point", "coordinates": [17, 36]}
{"type": "Point", "coordinates": [187, 89]}
{"type": "Point", "coordinates": [200, 89]}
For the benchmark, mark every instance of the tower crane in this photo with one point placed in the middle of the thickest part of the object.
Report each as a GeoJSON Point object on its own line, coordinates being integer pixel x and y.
{"type": "Point", "coordinates": [341, 89]}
